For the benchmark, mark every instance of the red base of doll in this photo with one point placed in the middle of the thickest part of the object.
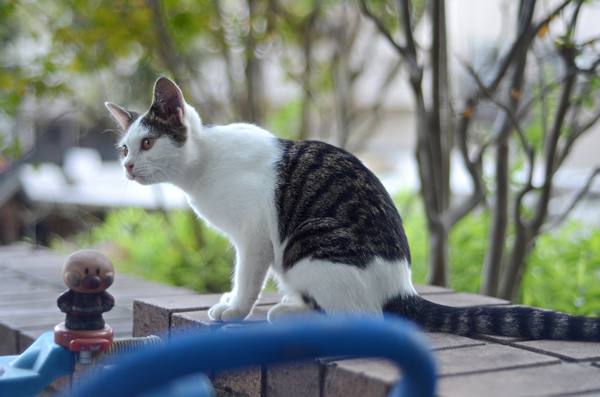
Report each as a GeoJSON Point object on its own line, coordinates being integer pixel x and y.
{"type": "Point", "coordinates": [78, 341]}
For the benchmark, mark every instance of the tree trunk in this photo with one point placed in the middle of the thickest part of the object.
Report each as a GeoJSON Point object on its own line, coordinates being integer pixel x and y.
{"type": "Point", "coordinates": [254, 78]}
{"type": "Point", "coordinates": [438, 256]}
{"type": "Point", "coordinates": [528, 232]}
{"type": "Point", "coordinates": [497, 237]}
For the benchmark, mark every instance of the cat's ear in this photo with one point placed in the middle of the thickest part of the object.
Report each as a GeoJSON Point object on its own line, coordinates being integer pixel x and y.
{"type": "Point", "coordinates": [123, 116]}
{"type": "Point", "coordinates": [168, 100]}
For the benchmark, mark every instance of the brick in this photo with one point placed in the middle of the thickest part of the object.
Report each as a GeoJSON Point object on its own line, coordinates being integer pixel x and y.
{"type": "Point", "coordinates": [293, 380]}
{"type": "Point", "coordinates": [360, 377]}
{"type": "Point", "coordinates": [26, 339]}
{"type": "Point", "coordinates": [8, 273]}
{"type": "Point", "coordinates": [11, 286]}
{"type": "Point", "coordinates": [82, 374]}
{"type": "Point", "coordinates": [33, 296]}
{"type": "Point", "coordinates": [536, 381]}
{"type": "Point", "coordinates": [566, 350]}
{"type": "Point", "coordinates": [152, 316]}
{"type": "Point", "coordinates": [29, 308]}
{"type": "Point", "coordinates": [424, 289]}
{"type": "Point", "coordinates": [60, 385]}
{"type": "Point", "coordinates": [440, 341]}
{"type": "Point", "coordinates": [53, 317]}
{"type": "Point", "coordinates": [9, 340]}
{"type": "Point", "coordinates": [464, 299]}
{"type": "Point", "coordinates": [377, 376]}
{"type": "Point", "coordinates": [21, 249]}
{"type": "Point", "coordinates": [126, 285]}
{"type": "Point", "coordinates": [488, 358]}
{"type": "Point", "coordinates": [245, 381]}
{"type": "Point", "coordinates": [503, 340]}
{"type": "Point", "coordinates": [44, 266]}
{"type": "Point", "coordinates": [182, 323]}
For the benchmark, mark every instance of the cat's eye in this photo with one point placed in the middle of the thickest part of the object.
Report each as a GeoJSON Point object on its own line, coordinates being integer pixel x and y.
{"type": "Point", "coordinates": [147, 143]}
{"type": "Point", "coordinates": [125, 151]}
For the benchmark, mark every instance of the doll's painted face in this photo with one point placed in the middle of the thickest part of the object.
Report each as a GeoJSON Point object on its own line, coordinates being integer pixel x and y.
{"type": "Point", "coordinates": [88, 272]}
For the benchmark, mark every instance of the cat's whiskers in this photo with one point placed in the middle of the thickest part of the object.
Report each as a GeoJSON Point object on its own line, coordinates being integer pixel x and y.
{"type": "Point", "coordinates": [160, 176]}
{"type": "Point", "coordinates": [169, 168]}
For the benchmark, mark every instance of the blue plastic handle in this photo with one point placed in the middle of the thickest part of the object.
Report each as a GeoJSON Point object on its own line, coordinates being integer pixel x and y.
{"type": "Point", "coordinates": [31, 372]}
{"type": "Point", "coordinates": [394, 338]}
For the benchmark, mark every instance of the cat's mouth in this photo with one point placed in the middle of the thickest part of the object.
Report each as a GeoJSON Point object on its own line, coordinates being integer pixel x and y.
{"type": "Point", "coordinates": [141, 179]}
{"type": "Point", "coordinates": [137, 178]}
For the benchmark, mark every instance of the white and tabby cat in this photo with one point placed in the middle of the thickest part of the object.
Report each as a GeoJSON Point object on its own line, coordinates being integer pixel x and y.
{"type": "Point", "coordinates": [311, 213]}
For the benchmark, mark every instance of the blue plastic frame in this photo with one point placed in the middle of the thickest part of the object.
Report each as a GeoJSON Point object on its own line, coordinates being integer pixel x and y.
{"type": "Point", "coordinates": [40, 365]}
{"type": "Point", "coordinates": [395, 339]}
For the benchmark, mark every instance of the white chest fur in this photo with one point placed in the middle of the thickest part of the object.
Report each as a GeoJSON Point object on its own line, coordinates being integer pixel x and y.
{"type": "Point", "coordinates": [232, 185]}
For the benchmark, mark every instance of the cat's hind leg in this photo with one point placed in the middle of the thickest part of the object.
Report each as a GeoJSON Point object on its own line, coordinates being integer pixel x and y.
{"type": "Point", "coordinates": [343, 289]}
{"type": "Point", "coordinates": [290, 305]}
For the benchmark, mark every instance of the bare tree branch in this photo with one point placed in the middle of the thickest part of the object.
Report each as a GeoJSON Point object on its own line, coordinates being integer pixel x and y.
{"type": "Point", "coordinates": [524, 37]}
{"type": "Point", "coordinates": [373, 113]}
{"type": "Point", "coordinates": [526, 106]}
{"type": "Point", "coordinates": [577, 197]}
{"type": "Point", "coordinates": [550, 152]}
{"type": "Point", "coordinates": [403, 51]}
{"type": "Point", "coordinates": [503, 106]}
{"type": "Point", "coordinates": [576, 127]}
{"type": "Point", "coordinates": [474, 167]}
{"type": "Point", "coordinates": [527, 231]}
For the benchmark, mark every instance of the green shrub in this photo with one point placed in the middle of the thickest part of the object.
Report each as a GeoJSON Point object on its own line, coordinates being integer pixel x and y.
{"type": "Point", "coordinates": [467, 245]}
{"type": "Point", "coordinates": [562, 273]}
{"type": "Point", "coordinates": [172, 247]}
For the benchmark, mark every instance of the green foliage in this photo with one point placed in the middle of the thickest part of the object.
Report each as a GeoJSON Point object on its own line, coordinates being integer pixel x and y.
{"type": "Point", "coordinates": [388, 13]}
{"type": "Point", "coordinates": [466, 251]}
{"type": "Point", "coordinates": [285, 121]}
{"type": "Point", "coordinates": [467, 244]}
{"type": "Point", "coordinates": [413, 217]}
{"type": "Point", "coordinates": [9, 152]}
{"type": "Point", "coordinates": [562, 273]}
{"type": "Point", "coordinates": [173, 247]}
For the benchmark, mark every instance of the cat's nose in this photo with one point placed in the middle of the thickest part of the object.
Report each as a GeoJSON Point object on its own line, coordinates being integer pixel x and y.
{"type": "Point", "coordinates": [129, 167]}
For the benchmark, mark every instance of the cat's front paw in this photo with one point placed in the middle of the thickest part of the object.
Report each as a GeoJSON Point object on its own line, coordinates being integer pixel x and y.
{"type": "Point", "coordinates": [225, 312]}
{"type": "Point", "coordinates": [227, 297]}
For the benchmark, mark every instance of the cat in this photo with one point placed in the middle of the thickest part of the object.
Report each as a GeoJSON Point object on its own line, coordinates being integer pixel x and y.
{"type": "Point", "coordinates": [310, 214]}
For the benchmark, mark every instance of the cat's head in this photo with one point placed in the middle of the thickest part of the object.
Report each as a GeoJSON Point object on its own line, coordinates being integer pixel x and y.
{"type": "Point", "coordinates": [151, 146]}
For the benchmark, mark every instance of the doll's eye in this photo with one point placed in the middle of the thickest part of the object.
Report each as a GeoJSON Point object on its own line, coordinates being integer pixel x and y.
{"type": "Point", "coordinates": [125, 151]}
{"type": "Point", "coordinates": [97, 272]}
{"type": "Point", "coordinates": [147, 143]}
{"type": "Point", "coordinates": [86, 270]}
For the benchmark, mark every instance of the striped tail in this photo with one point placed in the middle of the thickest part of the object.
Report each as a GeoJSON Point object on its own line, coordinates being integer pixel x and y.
{"type": "Point", "coordinates": [521, 321]}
